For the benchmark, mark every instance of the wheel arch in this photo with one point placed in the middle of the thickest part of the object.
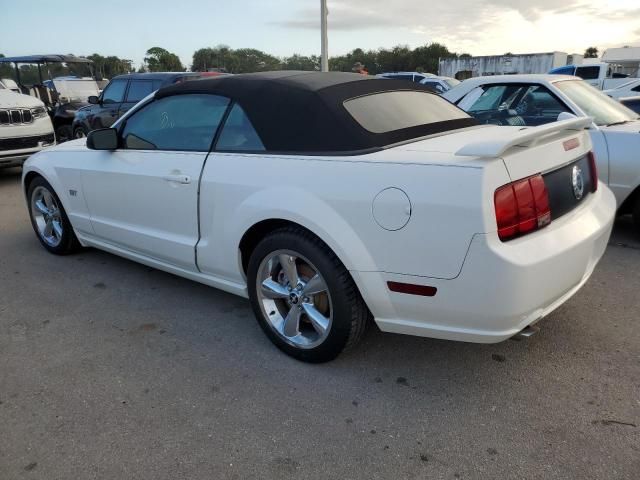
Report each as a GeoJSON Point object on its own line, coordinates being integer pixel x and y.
{"type": "Point", "coordinates": [262, 228]}
{"type": "Point", "coordinates": [32, 172]}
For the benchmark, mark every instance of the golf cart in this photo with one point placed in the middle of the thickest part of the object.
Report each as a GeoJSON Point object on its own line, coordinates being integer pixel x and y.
{"type": "Point", "coordinates": [63, 82]}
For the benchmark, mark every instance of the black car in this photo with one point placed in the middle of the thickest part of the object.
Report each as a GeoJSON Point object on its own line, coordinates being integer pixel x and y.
{"type": "Point", "coordinates": [122, 93]}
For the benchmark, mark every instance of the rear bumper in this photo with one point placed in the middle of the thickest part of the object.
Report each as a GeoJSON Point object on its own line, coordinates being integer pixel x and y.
{"type": "Point", "coordinates": [503, 287]}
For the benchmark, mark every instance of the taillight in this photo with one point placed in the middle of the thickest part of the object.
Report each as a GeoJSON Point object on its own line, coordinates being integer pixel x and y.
{"type": "Point", "coordinates": [594, 171]}
{"type": "Point", "coordinates": [522, 207]}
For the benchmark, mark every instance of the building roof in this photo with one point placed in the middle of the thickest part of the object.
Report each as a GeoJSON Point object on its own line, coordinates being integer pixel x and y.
{"type": "Point", "coordinates": [303, 111]}
{"type": "Point", "coordinates": [46, 58]}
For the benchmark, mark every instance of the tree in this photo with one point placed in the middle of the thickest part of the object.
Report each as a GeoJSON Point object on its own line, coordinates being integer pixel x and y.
{"type": "Point", "coordinates": [400, 58]}
{"type": "Point", "coordinates": [6, 69]}
{"type": "Point", "coordinates": [109, 67]}
{"type": "Point", "coordinates": [591, 52]}
{"type": "Point", "coordinates": [301, 62]}
{"type": "Point", "coordinates": [161, 60]}
{"type": "Point", "coordinates": [242, 60]}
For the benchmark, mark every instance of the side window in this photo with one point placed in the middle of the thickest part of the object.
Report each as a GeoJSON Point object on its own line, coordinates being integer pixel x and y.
{"type": "Point", "coordinates": [489, 99]}
{"type": "Point", "coordinates": [180, 122]}
{"type": "Point", "coordinates": [588, 73]}
{"type": "Point", "coordinates": [114, 91]}
{"type": "Point", "coordinates": [138, 89]}
{"type": "Point", "coordinates": [238, 133]}
{"type": "Point", "coordinates": [636, 88]}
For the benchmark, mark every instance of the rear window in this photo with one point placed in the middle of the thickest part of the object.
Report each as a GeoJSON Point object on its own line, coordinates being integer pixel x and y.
{"type": "Point", "coordinates": [390, 111]}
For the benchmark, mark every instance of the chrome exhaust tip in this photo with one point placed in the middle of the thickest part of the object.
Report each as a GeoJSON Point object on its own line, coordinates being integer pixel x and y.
{"type": "Point", "coordinates": [527, 332]}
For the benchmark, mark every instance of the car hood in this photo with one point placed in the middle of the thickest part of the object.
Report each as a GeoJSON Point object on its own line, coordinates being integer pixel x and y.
{"type": "Point", "coordinates": [9, 99]}
{"type": "Point", "coordinates": [70, 146]}
{"type": "Point", "coordinates": [631, 127]}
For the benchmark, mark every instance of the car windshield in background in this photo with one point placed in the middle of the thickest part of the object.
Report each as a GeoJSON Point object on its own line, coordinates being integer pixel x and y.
{"type": "Point", "coordinates": [603, 109]}
{"type": "Point", "coordinates": [452, 82]}
{"type": "Point", "coordinates": [389, 111]}
{"type": "Point", "coordinates": [73, 89]}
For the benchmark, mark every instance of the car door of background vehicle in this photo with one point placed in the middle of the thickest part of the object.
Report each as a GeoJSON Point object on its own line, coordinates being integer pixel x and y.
{"type": "Point", "coordinates": [138, 89]}
{"type": "Point", "coordinates": [143, 197]}
{"type": "Point", "coordinates": [110, 102]}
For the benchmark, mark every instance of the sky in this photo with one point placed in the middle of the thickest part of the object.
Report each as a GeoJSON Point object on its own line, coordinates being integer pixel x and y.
{"type": "Point", "coordinates": [127, 28]}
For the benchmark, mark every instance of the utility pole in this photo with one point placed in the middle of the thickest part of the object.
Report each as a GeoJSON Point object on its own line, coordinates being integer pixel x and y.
{"type": "Point", "coordinates": [324, 54]}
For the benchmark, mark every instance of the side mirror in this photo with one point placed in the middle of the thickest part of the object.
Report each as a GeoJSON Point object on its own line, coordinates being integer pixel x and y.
{"type": "Point", "coordinates": [103, 139]}
{"type": "Point", "coordinates": [93, 100]}
{"type": "Point", "coordinates": [566, 116]}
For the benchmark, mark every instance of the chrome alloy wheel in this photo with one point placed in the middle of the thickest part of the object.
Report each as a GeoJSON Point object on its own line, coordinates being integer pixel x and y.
{"type": "Point", "coordinates": [47, 216]}
{"type": "Point", "coordinates": [294, 299]}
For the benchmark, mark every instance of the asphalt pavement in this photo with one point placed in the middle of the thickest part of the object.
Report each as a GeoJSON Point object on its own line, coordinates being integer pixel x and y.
{"type": "Point", "coordinates": [113, 370]}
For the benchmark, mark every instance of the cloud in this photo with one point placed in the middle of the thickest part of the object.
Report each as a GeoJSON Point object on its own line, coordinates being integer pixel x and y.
{"type": "Point", "coordinates": [487, 25]}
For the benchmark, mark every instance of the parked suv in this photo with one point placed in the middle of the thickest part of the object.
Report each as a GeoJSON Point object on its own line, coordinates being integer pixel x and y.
{"type": "Point", "coordinates": [25, 127]}
{"type": "Point", "coordinates": [122, 93]}
{"type": "Point", "coordinates": [62, 82]}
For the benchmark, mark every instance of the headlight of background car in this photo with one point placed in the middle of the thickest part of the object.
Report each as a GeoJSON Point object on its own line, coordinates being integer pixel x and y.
{"type": "Point", "coordinates": [39, 112]}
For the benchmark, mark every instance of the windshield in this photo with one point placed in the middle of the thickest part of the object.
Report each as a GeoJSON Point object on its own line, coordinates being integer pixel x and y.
{"type": "Point", "coordinates": [596, 104]}
{"type": "Point", "coordinates": [73, 89]}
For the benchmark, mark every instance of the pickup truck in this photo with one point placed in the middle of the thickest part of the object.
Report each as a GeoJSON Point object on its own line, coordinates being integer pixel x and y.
{"type": "Point", "coordinates": [599, 75]}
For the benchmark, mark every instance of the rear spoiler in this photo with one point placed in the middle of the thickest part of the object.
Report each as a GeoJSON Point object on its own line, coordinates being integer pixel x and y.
{"type": "Point", "coordinates": [527, 137]}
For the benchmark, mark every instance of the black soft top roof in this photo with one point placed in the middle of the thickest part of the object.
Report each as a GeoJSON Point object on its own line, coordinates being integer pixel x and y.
{"type": "Point", "coordinates": [304, 112]}
{"type": "Point", "coordinates": [156, 75]}
{"type": "Point", "coordinates": [46, 58]}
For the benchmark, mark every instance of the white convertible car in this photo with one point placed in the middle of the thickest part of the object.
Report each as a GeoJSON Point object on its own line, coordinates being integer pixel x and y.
{"type": "Point", "coordinates": [330, 199]}
{"type": "Point", "coordinates": [531, 100]}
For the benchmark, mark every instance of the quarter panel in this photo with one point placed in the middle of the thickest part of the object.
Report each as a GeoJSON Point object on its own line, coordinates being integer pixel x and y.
{"type": "Point", "coordinates": [333, 198]}
{"type": "Point", "coordinates": [624, 161]}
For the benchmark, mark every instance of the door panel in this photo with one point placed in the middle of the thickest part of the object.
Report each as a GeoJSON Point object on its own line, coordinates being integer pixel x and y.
{"type": "Point", "coordinates": [144, 196]}
{"type": "Point", "coordinates": [146, 201]}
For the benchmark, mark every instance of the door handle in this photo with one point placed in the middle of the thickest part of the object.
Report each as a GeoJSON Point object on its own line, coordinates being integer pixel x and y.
{"type": "Point", "coordinates": [181, 179]}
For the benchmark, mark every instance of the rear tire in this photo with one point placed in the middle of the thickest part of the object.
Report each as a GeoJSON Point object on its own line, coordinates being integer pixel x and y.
{"type": "Point", "coordinates": [49, 219]}
{"type": "Point", "coordinates": [312, 321]}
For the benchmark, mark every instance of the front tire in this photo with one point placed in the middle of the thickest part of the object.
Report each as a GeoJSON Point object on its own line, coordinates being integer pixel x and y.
{"type": "Point", "coordinates": [303, 297]}
{"type": "Point", "coordinates": [80, 132]}
{"type": "Point", "coordinates": [49, 219]}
